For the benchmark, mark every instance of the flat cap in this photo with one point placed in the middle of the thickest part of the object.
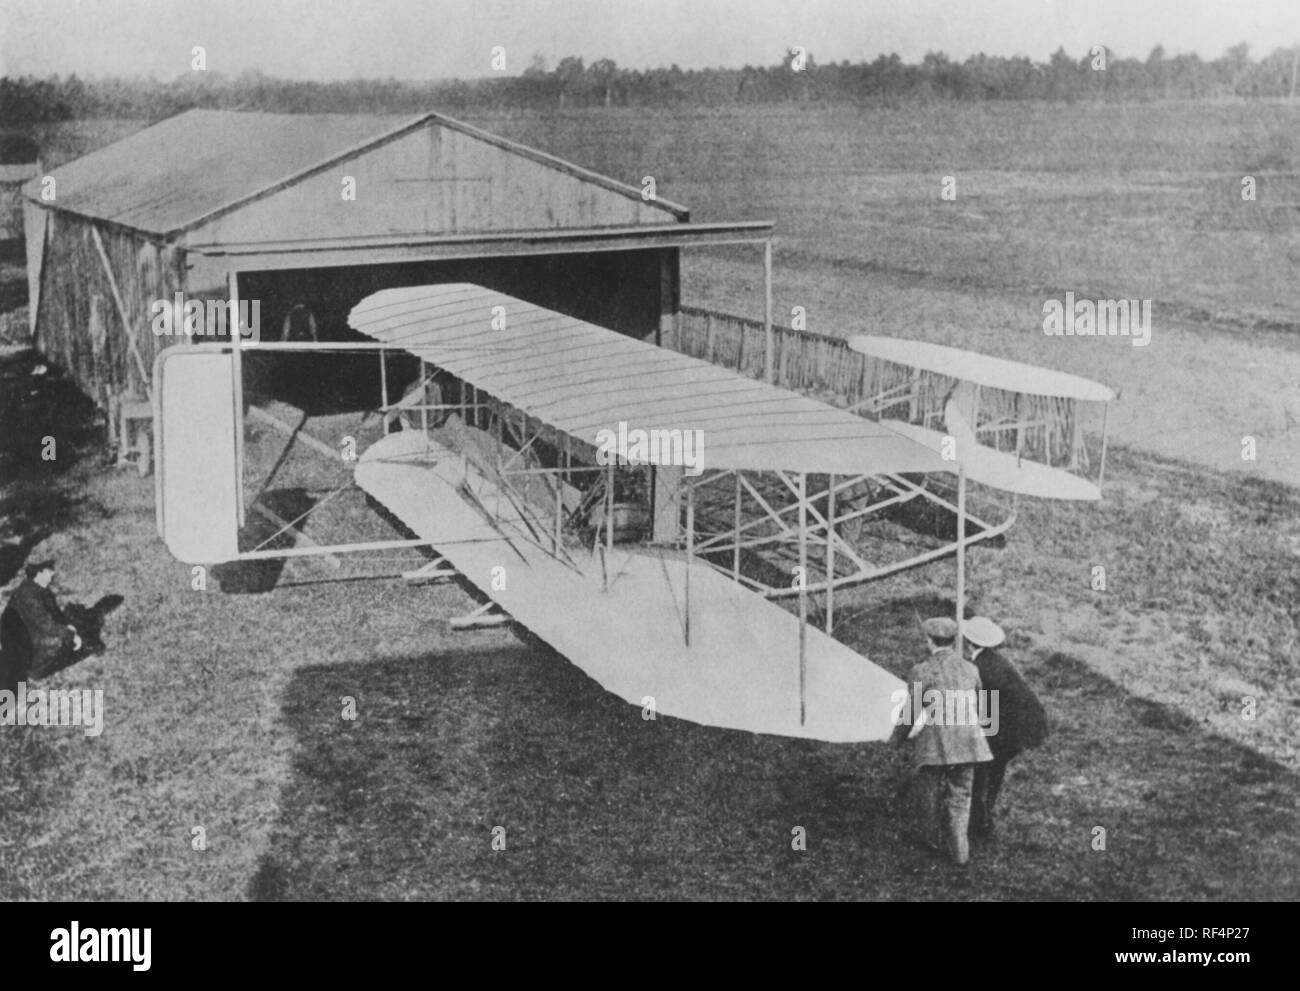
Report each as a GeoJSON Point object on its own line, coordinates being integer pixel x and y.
{"type": "Point", "coordinates": [940, 627]}
{"type": "Point", "coordinates": [983, 632]}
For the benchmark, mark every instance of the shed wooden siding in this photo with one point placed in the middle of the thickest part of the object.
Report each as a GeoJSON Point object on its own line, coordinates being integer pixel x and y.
{"type": "Point", "coordinates": [434, 181]}
{"type": "Point", "coordinates": [78, 323]}
{"type": "Point", "coordinates": [34, 221]}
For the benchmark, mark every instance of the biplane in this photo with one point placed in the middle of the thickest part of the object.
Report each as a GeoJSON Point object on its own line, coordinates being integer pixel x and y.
{"type": "Point", "coordinates": [666, 587]}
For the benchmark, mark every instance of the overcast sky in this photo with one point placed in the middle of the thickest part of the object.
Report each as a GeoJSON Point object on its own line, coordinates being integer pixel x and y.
{"type": "Point", "coordinates": [424, 39]}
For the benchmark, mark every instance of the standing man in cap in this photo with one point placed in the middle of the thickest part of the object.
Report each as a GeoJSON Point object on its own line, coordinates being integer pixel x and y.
{"type": "Point", "coordinates": [1022, 720]}
{"type": "Point", "coordinates": [34, 633]}
{"type": "Point", "coordinates": [945, 754]}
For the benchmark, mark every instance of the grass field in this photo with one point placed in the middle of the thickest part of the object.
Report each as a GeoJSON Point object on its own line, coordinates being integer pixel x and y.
{"type": "Point", "coordinates": [1137, 201]}
{"type": "Point", "coordinates": [224, 709]}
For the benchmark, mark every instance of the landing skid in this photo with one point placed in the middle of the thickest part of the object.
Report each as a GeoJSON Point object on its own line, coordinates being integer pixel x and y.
{"type": "Point", "coordinates": [488, 614]}
{"type": "Point", "coordinates": [439, 570]}
{"type": "Point", "coordinates": [434, 572]}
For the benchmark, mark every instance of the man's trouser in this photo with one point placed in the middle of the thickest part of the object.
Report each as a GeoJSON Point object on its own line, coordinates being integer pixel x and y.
{"type": "Point", "coordinates": [25, 663]}
{"type": "Point", "coordinates": [943, 799]}
{"type": "Point", "coordinates": [57, 657]}
{"type": "Point", "coordinates": [988, 785]}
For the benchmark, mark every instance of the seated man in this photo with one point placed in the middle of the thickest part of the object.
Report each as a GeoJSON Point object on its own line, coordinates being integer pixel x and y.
{"type": "Point", "coordinates": [35, 636]}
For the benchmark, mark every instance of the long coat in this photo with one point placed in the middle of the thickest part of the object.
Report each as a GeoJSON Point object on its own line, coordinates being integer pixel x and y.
{"type": "Point", "coordinates": [1022, 721]}
{"type": "Point", "coordinates": [945, 671]}
{"type": "Point", "coordinates": [33, 633]}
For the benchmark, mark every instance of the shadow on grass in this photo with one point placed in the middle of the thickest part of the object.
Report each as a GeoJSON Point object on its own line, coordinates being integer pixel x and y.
{"type": "Point", "coordinates": [46, 427]}
{"type": "Point", "coordinates": [48, 423]}
{"type": "Point", "coordinates": [592, 801]}
{"type": "Point", "coordinates": [262, 533]}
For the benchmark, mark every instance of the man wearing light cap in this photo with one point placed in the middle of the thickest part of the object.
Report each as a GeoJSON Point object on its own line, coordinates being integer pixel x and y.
{"type": "Point", "coordinates": [946, 750]}
{"type": "Point", "coordinates": [1022, 721]}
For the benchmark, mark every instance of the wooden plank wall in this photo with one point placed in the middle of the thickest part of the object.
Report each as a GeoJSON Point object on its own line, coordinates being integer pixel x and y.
{"type": "Point", "coordinates": [78, 324]}
{"type": "Point", "coordinates": [34, 221]}
{"type": "Point", "coordinates": [434, 181]}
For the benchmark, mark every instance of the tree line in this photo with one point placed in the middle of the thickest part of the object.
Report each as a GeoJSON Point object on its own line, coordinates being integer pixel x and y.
{"type": "Point", "coordinates": [1096, 75]}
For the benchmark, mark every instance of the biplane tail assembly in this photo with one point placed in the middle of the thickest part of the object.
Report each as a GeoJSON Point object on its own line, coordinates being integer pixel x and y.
{"type": "Point", "coordinates": [1015, 427]}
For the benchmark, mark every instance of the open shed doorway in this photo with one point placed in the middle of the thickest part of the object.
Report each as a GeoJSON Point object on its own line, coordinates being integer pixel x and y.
{"type": "Point", "coordinates": [620, 290]}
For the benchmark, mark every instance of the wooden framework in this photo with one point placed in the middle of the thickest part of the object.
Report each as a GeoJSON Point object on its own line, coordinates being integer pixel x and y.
{"type": "Point", "coordinates": [818, 520]}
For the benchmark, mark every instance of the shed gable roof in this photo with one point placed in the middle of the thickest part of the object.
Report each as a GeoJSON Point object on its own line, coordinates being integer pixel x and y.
{"type": "Point", "coordinates": [203, 164]}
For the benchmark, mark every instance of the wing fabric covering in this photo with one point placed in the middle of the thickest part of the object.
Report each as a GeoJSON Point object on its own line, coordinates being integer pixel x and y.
{"type": "Point", "coordinates": [741, 670]}
{"type": "Point", "coordinates": [582, 379]}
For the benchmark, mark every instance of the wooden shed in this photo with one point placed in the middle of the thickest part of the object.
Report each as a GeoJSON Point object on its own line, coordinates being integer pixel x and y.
{"type": "Point", "coordinates": [319, 211]}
